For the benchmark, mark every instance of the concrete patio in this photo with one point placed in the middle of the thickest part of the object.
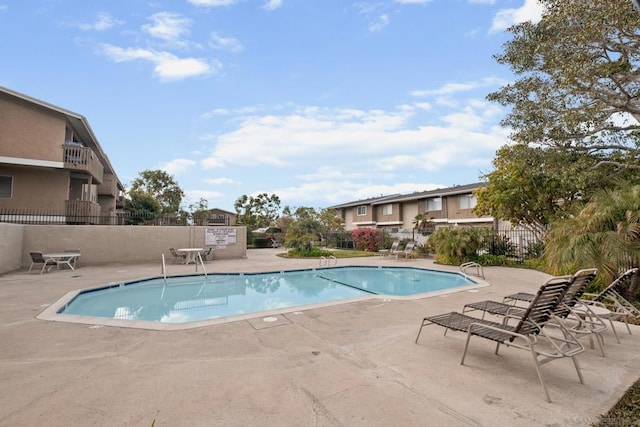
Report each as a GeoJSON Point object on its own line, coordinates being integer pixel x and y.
{"type": "Point", "coordinates": [348, 364]}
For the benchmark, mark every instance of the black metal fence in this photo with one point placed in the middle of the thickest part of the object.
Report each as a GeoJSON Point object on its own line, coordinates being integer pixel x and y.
{"type": "Point", "coordinates": [518, 243]}
{"type": "Point", "coordinates": [21, 216]}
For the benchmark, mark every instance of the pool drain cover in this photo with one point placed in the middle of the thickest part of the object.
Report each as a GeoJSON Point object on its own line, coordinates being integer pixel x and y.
{"type": "Point", "coordinates": [270, 319]}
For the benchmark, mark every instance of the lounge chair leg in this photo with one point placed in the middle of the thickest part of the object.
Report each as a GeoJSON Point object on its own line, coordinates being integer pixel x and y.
{"type": "Point", "coordinates": [578, 370]}
{"type": "Point", "coordinates": [542, 383]}
{"type": "Point", "coordinates": [613, 329]}
{"type": "Point", "coordinates": [466, 346]}
{"type": "Point", "coordinates": [419, 332]}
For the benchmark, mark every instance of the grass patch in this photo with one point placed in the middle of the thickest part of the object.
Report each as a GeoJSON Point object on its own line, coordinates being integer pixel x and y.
{"type": "Point", "coordinates": [626, 412]}
{"type": "Point", "coordinates": [317, 253]}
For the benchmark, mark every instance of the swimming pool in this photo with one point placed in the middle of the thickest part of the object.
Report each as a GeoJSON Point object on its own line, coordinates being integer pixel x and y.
{"type": "Point", "coordinates": [196, 298]}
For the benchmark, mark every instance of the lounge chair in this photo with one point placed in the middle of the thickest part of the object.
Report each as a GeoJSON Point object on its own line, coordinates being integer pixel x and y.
{"type": "Point", "coordinates": [576, 318]}
{"type": "Point", "coordinates": [530, 331]}
{"type": "Point", "coordinates": [393, 250]}
{"type": "Point", "coordinates": [176, 257]}
{"type": "Point", "coordinates": [407, 251]}
{"type": "Point", "coordinates": [37, 258]}
{"type": "Point", "coordinates": [610, 299]}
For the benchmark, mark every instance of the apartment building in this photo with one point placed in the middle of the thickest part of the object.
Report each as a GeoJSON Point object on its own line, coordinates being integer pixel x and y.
{"type": "Point", "coordinates": [445, 206]}
{"type": "Point", "coordinates": [51, 163]}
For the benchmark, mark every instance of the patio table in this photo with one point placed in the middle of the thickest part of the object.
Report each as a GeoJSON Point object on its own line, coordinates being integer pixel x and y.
{"type": "Point", "coordinates": [191, 254]}
{"type": "Point", "coordinates": [66, 258]}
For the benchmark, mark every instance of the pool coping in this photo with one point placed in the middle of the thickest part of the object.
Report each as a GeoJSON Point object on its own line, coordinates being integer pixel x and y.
{"type": "Point", "coordinates": [52, 312]}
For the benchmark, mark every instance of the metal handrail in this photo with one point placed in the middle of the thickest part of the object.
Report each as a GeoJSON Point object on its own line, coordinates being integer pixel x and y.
{"type": "Point", "coordinates": [202, 264]}
{"type": "Point", "coordinates": [164, 274]}
{"type": "Point", "coordinates": [478, 267]}
{"type": "Point", "coordinates": [328, 260]}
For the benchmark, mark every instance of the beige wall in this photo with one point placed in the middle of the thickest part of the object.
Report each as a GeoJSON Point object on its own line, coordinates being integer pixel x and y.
{"type": "Point", "coordinates": [106, 244]}
{"type": "Point", "coordinates": [410, 211]}
{"type": "Point", "coordinates": [11, 247]}
{"type": "Point", "coordinates": [27, 131]}
{"type": "Point", "coordinates": [36, 188]}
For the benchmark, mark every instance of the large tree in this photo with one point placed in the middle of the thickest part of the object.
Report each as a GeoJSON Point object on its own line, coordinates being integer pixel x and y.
{"type": "Point", "coordinates": [259, 211]}
{"type": "Point", "coordinates": [604, 234]}
{"type": "Point", "coordinates": [578, 81]}
{"type": "Point", "coordinates": [143, 207]}
{"type": "Point", "coordinates": [533, 186]}
{"type": "Point", "coordinates": [162, 186]}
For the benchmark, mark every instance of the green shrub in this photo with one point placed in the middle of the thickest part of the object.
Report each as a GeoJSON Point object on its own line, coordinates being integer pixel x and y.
{"type": "Point", "coordinates": [312, 252]}
{"type": "Point", "coordinates": [456, 243]}
{"type": "Point", "coordinates": [496, 260]}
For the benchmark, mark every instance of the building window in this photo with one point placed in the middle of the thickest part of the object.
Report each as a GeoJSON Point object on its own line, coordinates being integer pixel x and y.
{"type": "Point", "coordinates": [434, 204]}
{"type": "Point", "coordinates": [467, 201]}
{"type": "Point", "coordinates": [362, 210]}
{"type": "Point", "coordinates": [6, 186]}
{"type": "Point", "coordinates": [387, 209]}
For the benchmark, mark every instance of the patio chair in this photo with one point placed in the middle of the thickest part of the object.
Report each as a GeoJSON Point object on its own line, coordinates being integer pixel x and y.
{"type": "Point", "coordinates": [176, 257]}
{"type": "Point", "coordinates": [207, 254]}
{"type": "Point", "coordinates": [37, 258]}
{"type": "Point", "coordinates": [610, 299]}
{"type": "Point", "coordinates": [576, 318]}
{"type": "Point", "coordinates": [74, 260]}
{"type": "Point", "coordinates": [530, 331]}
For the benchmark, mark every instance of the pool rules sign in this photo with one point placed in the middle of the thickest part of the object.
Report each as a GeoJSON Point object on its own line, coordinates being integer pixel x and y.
{"type": "Point", "coordinates": [220, 236]}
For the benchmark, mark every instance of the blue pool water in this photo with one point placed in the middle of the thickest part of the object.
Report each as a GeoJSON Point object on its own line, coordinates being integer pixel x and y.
{"type": "Point", "coordinates": [190, 298]}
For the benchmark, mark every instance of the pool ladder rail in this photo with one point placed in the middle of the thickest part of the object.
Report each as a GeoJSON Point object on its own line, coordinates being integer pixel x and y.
{"type": "Point", "coordinates": [479, 271]}
{"type": "Point", "coordinates": [330, 260]}
{"type": "Point", "coordinates": [164, 268]}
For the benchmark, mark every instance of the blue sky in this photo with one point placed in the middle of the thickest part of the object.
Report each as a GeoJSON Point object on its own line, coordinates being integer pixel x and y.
{"type": "Point", "coordinates": [318, 101]}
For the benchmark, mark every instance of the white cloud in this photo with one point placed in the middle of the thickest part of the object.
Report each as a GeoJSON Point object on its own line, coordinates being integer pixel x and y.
{"type": "Point", "coordinates": [167, 66]}
{"type": "Point", "coordinates": [212, 162]}
{"type": "Point", "coordinates": [505, 18]}
{"type": "Point", "coordinates": [203, 194]}
{"type": "Point", "coordinates": [451, 88]}
{"type": "Point", "coordinates": [213, 3]}
{"type": "Point", "coordinates": [220, 181]}
{"type": "Point", "coordinates": [272, 4]}
{"type": "Point", "coordinates": [368, 140]}
{"type": "Point", "coordinates": [3, 7]}
{"type": "Point", "coordinates": [102, 23]}
{"type": "Point", "coordinates": [168, 26]}
{"type": "Point", "coordinates": [413, 1]}
{"type": "Point", "coordinates": [381, 22]}
{"type": "Point", "coordinates": [177, 166]}
{"type": "Point", "coordinates": [337, 191]}
{"type": "Point", "coordinates": [482, 1]}
{"type": "Point", "coordinates": [225, 43]}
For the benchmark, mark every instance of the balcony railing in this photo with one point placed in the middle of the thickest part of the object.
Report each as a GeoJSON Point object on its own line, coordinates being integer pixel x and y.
{"type": "Point", "coordinates": [83, 159]}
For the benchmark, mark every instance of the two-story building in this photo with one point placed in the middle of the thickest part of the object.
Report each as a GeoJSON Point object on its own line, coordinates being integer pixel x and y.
{"type": "Point", "coordinates": [52, 164]}
{"type": "Point", "coordinates": [397, 213]}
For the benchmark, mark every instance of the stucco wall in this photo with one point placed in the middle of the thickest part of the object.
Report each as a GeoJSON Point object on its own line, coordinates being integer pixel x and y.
{"type": "Point", "coordinates": [31, 132]}
{"type": "Point", "coordinates": [11, 246]}
{"type": "Point", "coordinates": [106, 244]}
{"type": "Point", "coordinates": [35, 188]}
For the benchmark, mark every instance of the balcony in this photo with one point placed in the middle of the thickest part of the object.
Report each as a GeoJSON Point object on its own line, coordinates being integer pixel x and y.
{"type": "Point", "coordinates": [109, 186]}
{"type": "Point", "coordinates": [82, 212]}
{"type": "Point", "coordinates": [79, 158]}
